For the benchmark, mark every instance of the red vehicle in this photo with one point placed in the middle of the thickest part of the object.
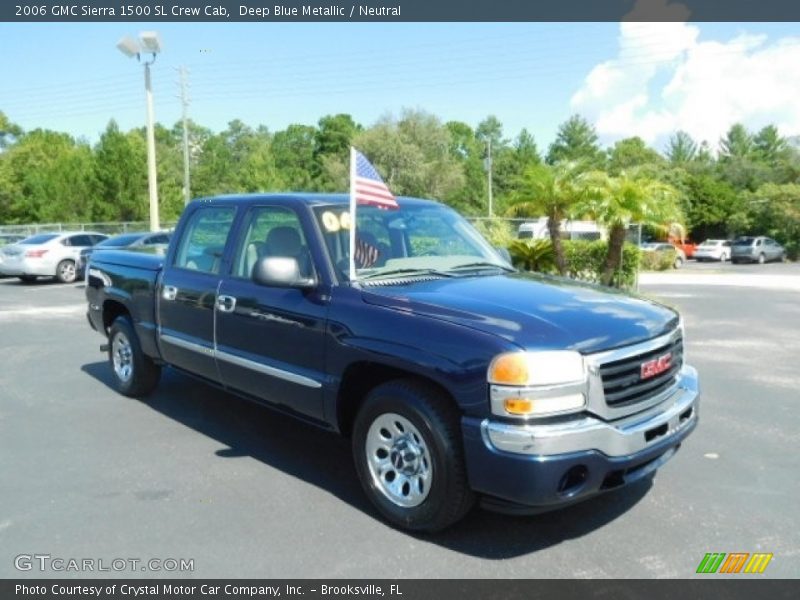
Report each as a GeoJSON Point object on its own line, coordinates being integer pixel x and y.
{"type": "Point", "coordinates": [683, 244]}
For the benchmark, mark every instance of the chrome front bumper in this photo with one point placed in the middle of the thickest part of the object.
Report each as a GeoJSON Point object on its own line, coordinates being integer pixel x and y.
{"type": "Point", "coordinates": [620, 437]}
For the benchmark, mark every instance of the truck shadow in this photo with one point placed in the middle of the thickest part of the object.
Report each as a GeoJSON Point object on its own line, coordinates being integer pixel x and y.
{"type": "Point", "coordinates": [323, 459]}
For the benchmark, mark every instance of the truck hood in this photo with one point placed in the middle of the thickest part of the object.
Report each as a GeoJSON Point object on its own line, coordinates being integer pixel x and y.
{"type": "Point", "coordinates": [532, 311]}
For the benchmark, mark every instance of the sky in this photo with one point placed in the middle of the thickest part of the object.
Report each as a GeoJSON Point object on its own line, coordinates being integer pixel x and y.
{"type": "Point", "coordinates": [628, 79]}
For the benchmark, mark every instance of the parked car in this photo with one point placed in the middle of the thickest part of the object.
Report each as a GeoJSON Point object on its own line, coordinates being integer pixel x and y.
{"type": "Point", "coordinates": [7, 239]}
{"type": "Point", "coordinates": [686, 247]}
{"type": "Point", "coordinates": [454, 376]}
{"type": "Point", "coordinates": [758, 249]}
{"type": "Point", "coordinates": [713, 250]}
{"type": "Point", "coordinates": [156, 242]}
{"type": "Point", "coordinates": [47, 255]}
{"type": "Point", "coordinates": [10, 238]}
{"type": "Point", "coordinates": [678, 255]}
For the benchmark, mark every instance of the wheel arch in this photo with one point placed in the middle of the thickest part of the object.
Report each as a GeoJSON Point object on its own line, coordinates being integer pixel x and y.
{"type": "Point", "coordinates": [361, 377]}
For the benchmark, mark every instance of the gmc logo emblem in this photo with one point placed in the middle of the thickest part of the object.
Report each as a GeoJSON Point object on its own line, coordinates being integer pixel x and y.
{"type": "Point", "coordinates": [656, 366]}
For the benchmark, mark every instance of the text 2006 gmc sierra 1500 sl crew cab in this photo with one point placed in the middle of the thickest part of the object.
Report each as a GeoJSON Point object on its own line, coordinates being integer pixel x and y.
{"type": "Point", "coordinates": [455, 376]}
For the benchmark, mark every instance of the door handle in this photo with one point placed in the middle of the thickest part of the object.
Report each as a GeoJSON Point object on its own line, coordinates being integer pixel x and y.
{"type": "Point", "coordinates": [226, 303]}
{"type": "Point", "coordinates": [170, 292]}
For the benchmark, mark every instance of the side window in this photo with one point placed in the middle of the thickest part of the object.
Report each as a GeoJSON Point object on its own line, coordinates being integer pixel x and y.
{"type": "Point", "coordinates": [204, 238]}
{"type": "Point", "coordinates": [96, 239]}
{"type": "Point", "coordinates": [80, 240]}
{"type": "Point", "coordinates": [271, 231]}
{"type": "Point", "coordinates": [156, 239]}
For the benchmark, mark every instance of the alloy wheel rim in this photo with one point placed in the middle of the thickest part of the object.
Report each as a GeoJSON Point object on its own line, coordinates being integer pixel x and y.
{"type": "Point", "coordinates": [399, 461]}
{"type": "Point", "coordinates": [122, 357]}
{"type": "Point", "coordinates": [68, 271]}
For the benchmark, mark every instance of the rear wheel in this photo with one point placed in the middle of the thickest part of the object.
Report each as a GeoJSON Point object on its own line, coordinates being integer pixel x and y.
{"type": "Point", "coordinates": [66, 271]}
{"type": "Point", "coordinates": [762, 259]}
{"type": "Point", "coordinates": [135, 374]}
{"type": "Point", "coordinates": [408, 454]}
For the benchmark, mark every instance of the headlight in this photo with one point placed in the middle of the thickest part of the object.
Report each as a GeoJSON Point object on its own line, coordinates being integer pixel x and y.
{"type": "Point", "coordinates": [535, 384]}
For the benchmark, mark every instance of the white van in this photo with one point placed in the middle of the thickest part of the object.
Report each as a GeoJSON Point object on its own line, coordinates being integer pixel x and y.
{"type": "Point", "coordinates": [570, 230]}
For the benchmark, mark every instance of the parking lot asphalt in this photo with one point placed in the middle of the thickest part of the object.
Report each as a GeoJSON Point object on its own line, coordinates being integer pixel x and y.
{"type": "Point", "coordinates": [196, 473]}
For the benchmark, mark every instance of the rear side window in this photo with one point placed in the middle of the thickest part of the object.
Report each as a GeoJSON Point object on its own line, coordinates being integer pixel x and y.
{"type": "Point", "coordinates": [79, 241]}
{"type": "Point", "coordinates": [204, 238]}
{"type": "Point", "coordinates": [40, 239]}
{"type": "Point", "coordinates": [156, 239]}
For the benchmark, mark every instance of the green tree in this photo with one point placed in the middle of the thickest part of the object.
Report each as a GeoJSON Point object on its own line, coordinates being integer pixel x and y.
{"type": "Point", "coordinates": [467, 151]}
{"type": "Point", "coordinates": [332, 140]}
{"type": "Point", "coordinates": [631, 153]}
{"type": "Point", "coordinates": [550, 191]}
{"type": "Point", "coordinates": [576, 141]}
{"type": "Point", "coordinates": [121, 172]}
{"type": "Point", "coordinates": [736, 144]}
{"type": "Point", "coordinates": [8, 131]}
{"type": "Point", "coordinates": [769, 146]}
{"type": "Point", "coordinates": [616, 202]}
{"type": "Point", "coordinates": [681, 148]}
{"type": "Point", "coordinates": [294, 151]}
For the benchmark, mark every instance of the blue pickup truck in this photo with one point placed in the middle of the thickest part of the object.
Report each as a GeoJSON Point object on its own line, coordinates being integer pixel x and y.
{"type": "Point", "coordinates": [456, 377]}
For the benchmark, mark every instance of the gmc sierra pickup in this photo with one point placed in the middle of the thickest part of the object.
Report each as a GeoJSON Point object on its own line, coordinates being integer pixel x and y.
{"type": "Point", "coordinates": [455, 376]}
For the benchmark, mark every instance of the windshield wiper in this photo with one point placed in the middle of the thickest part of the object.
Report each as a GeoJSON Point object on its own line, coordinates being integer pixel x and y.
{"type": "Point", "coordinates": [406, 271]}
{"type": "Point", "coordinates": [483, 264]}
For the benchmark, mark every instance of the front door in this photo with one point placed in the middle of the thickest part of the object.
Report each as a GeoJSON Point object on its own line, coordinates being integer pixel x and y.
{"type": "Point", "coordinates": [188, 290]}
{"type": "Point", "coordinates": [270, 339]}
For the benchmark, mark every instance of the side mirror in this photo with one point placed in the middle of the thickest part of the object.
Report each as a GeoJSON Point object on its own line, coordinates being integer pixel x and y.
{"type": "Point", "coordinates": [280, 271]}
{"type": "Point", "coordinates": [503, 251]}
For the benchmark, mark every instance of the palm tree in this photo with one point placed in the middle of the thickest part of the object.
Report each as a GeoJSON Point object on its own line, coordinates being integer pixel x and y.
{"type": "Point", "coordinates": [550, 191]}
{"type": "Point", "coordinates": [616, 202]}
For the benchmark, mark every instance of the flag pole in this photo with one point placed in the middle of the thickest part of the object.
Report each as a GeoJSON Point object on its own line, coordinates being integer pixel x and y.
{"type": "Point", "coordinates": [352, 214]}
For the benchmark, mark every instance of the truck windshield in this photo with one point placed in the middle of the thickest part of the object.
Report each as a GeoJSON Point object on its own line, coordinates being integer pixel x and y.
{"type": "Point", "coordinates": [413, 239]}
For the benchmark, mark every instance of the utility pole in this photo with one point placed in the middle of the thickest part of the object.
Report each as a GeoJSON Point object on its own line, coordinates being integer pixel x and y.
{"type": "Point", "coordinates": [187, 193]}
{"type": "Point", "coordinates": [151, 151]}
{"type": "Point", "coordinates": [489, 172]}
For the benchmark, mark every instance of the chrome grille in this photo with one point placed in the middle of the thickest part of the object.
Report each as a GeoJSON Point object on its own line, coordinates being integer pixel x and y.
{"type": "Point", "coordinates": [622, 381]}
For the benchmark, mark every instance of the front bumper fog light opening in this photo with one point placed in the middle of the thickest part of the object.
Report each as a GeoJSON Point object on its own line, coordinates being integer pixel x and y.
{"type": "Point", "coordinates": [573, 480]}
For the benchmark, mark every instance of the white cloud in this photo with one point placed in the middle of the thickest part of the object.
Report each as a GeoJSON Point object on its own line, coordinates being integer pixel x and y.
{"type": "Point", "coordinates": [664, 78]}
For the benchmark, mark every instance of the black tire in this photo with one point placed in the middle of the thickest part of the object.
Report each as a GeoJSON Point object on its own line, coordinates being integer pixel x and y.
{"type": "Point", "coordinates": [66, 271]}
{"type": "Point", "coordinates": [435, 417]}
{"type": "Point", "coordinates": [28, 278]}
{"type": "Point", "coordinates": [144, 373]}
{"type": "Point", "coordinates": [762, 259]}
{"type": "Point", "coordinates": [678, 262]}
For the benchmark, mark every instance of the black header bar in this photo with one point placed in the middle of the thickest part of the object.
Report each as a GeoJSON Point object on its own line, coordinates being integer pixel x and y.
{"type": "Point", "coordinates": [227, 11]}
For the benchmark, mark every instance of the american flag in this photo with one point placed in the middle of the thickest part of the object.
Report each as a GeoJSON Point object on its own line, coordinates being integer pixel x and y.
{"type": "Point", "coordinates": [367, 187]}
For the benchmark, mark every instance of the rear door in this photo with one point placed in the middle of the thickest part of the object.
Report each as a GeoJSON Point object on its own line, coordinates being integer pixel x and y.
{"type": "Point", "coordinates": [270, 339]}
{"type": "Point", "coordinates": [188, 290]}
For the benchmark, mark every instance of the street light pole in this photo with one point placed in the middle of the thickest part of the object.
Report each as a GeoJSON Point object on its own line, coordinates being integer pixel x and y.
{"type": "Point", "coordinates": [149, 42]}
{"type": "Point", "coordinates": [152, 179]}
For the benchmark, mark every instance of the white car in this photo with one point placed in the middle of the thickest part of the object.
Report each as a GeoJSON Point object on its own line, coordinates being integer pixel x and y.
{"type": "Point", "coordinates": [713, 250]}
{"type": "Point", "coordinates": [47, 255]}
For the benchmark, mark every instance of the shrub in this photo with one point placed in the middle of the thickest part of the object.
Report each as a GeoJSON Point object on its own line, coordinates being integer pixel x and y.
{"type": "Point", "coordinates": [585, 259]}
{"type": "Point", "coordinates": [657, 261]}
{"type": "Point", "coordinates": [533, 255]}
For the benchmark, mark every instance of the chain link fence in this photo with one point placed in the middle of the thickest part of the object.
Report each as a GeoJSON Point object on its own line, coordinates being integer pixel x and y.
{"type": "Point", "coordinates": [110, 228]}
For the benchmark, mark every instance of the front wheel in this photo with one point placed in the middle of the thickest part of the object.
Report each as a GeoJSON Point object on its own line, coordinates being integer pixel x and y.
{"type": "Point", "coordinates": [408, 454]}
{"type": "Point", "coordinates": [678, 262]}
{"type": "Point", "coordinates": [66, 271]}
{"type": "Point", "coordinates": [762, 259]}
{"type": "Point", "coordinates": [135, 374]}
